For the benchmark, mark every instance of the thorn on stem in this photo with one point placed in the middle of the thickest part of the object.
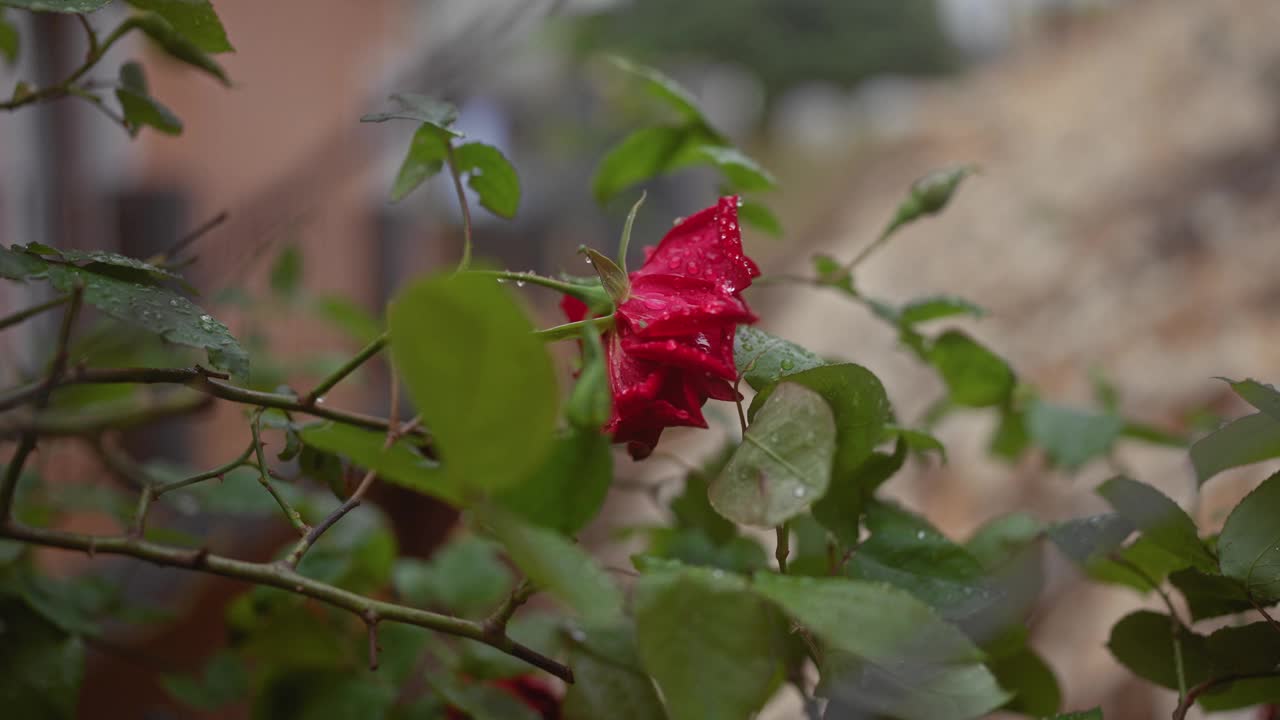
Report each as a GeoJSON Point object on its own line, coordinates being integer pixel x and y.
{"type": "Point", "coordinates": [371, 622]}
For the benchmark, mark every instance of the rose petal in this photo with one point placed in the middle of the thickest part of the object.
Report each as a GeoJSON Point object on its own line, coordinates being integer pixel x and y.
{"type": "Point", "coordinates": [666, 305]}
{"type": "Point", "coordinates": [706, 245]}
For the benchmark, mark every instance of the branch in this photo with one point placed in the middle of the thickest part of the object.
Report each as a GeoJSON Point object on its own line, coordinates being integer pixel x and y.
{"type": "Point", "coordinates": [294, 517]}
{"type": "Point", "coordinates": [93, 423]}
{"type": "Point", "coordinates": [496, 624]}
{"type": "Point", "coordinates": [14, 319]}
{"type": "Point", "coordinates": [465, 262]}
{"type": "Point", "coordinates": [199, 380]}
{"type": "Point", "coordinates": [277, 576]}
{"type": "Point", "coordinates": [1186, 703]}
{"type": "Point", "coordinates": [347, 368]}
{"type": "Point", "coordinates": [67, 86]}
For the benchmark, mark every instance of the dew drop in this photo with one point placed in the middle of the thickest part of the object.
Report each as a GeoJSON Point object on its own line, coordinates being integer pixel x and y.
{"type": "Point", "coordinates": [502, 281]}
{"type": "Point", "coordinates": [520, 283]}
{"type": "Point", "coordinates": [692, 268]}
{"type": "Point", "coordinates": [787, 363]}
{"type": "Point", "coordinates": [920, 535]}
{"type": "Point", "coordinates": [206, 319]}
{"type": "Point", "coordinates": [173, 303]}
{"type": "Point", "coordinates": [320, 400]}
{"type": "Point", "coordinates": [678, 221]}
{"type": "Point", "coordinates": [588, 261]}
{"type": "Point", "coordinates": [578, 635]}
{"type": "Point", "coordinates": [799, 491]}
{"type": "Point", "coordinates": [717, 574]}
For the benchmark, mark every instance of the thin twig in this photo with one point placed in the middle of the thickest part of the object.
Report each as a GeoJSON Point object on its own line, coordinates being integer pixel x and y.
{"type": "Point", "coordinates": [465, 262]}
{"type": "Point", "coordinates": [371, 618]}
{"type": "Point", "coordinates": [1187, 702]}
{"type": "Point", "coordinates": [294, 517]}
{"type": "Point", "coordinates": [217, 472]}
{"type": "Point", "coordinates": [311, 536]}
{"type": "Point", "coordinates": [784, 547]}
{"type": "Point", "coordinates": [194, 235]}
{"type": "Point", "coordinates": [274, 575]}
{"type": "Point", "coordinates": [14, 319]}
{"type": "Point", "coordinates": [1262, 611]}
{"type": "Point", "coordinates": [347, 368]}
{"type": "Point", "coordinates": [496, 623]}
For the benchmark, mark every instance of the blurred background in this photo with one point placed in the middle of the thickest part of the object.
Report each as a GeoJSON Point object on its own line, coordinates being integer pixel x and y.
{"type": "Point", "coordinates": [1124, 221]}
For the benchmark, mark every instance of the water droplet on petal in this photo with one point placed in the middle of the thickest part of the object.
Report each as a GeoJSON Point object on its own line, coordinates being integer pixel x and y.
{"type": "Point", "coordinates": [678, 221]}
{"type": "Point", "coordinates": [692, 268]}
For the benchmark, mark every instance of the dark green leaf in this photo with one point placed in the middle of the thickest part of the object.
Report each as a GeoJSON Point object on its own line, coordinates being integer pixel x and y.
{"type": "Point", "coordinates": [608, 681]}
{"type": "Point", "coordinates": [478, 375]}
{"type": "Point", "coordinates": [225, 680]}
{"type": "Point", "coordinates": [1249, 546]}
{"type": "Point", "coordinates": [1010, 438]}
{"type": "Point", "coordinates": [1241, 694]}
{"type": "Point", "coordinates": [18, 265]}
{"type": "Point", "coordinates": [410, 106]}
{"type": "Point", "coordinates": [1089, 538]}
{"type": "Point", "coordinates": [591, 401]}
{"type": "Point", "coordinates": [42, 666]}
{"type": "Point", "coordinates": [324, 468]}
{"type": "Point", "coordinates": [62, 6]}
{"type": "Point", "coordinates": [400, 464]}
{"type": "Point", "coordinates": [641, 156]}
{"type": "Point", "coordinates": [784, 462]}
{"type": "Point", "coordinates": [859, 403]}
{"type": "Point", "coordinates": [558, 566]}
{"type": "Point", "coordinates": [929, 195]}
{"type": "Point", "coordinates": [157, 310]}
{"type": "Point", "coordinates": [692, 508]}
{"type": "Point", "coordinates": [177, 45]}
{"type": "Point", "coordinates": [465, 577]}
{"type": "Point", "coordinates": [763, 358]}
{"type": "Point", "coordinates": [1142, 565]}
{"type": "Point", "coordinates": [491, 176]}
{"type": "Point", "coordinates": [141, 109]}
{"type": "Point", "coordinates": [919, 441]}
{"type": "Point", "coordinates": [286, 271]}
{"type": "Point", "coordinates": [1159, 519]}
{"type": "Point", "coordinates": [975, 376]}
{"type": "Point", "coordinates": [1143, 642]}
{"type": "Point", "coordinates": [10, 42]}
{"type": "Point", "coordinates": [1032, 682]}
{"type": "Point", "coordinates": [1245, 649]}
{"type": "Point", "coordinates": [1072, 437]}
{"type": "Point", "coordinates": [840, 510]}
{"type": "Point", "coordinates": [664, 88]}
{"type": "Point", "coordinates": [694, 548]}
{"type": "Point", "coordinates": [711, 645]}
{"type": "Point", "coordinates": [760, 217]}
{"type": "Point", "coordinates": [1094, 714]}
{"type": "Point", "coordinates": [1003, 539]}
{"type": "Point", "coordinates": [1210, 595]}
{"type": "Point", "coordinates": [936, 308]}
{"type": "Point", "coordinates": [94, 260]}
{"type": "Point", "coordinates": [1263, 397]}
{"type": "Point", "coordinates": [741, 172]}
{"type": "Point", "coordinates": [1245, 441]}
{"type": "Point", "coordinates": [426, 157]}
{"type": "Point", "coordinates": [194, 20]}
{"type": "Point", "coordinates": [568, 490]}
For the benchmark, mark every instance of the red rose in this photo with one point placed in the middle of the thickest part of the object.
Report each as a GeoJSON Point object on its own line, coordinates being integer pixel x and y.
{"type": "Point", "coordinates": [671, 346]}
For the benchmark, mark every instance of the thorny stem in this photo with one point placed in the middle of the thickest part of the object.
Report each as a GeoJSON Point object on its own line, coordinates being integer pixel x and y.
{"type": "Point", "coordinates": [582, 292]}
{"type": "Point", "coordinates": [347, 368]}
{"type": "Point", "coordinates": [1189, 700]}
{"type": "Point", "coordinates": [67, 86]}
{"type": "Point", "coordinates": [496, 623]}
{"type": "Point", "coordinates": [465, 262]}
{"type": "Point", "coordinates": [14, 319]}
{"type": "Point", "coordinates": [194, 235]}
{"type": "Point", "coordinates": [573, 330]}
{"type": "Point", "coordinates": [295, 518]}
{"type": "Point", "coordinates": [217, 472]}
{"type": "Point", "coordinates": [277, 576]}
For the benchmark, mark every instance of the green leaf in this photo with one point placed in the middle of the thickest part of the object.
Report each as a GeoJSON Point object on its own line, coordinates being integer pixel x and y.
{"type": "Point", "coordinates": [692, 508]}
{"type": "Point", "coordinates": [936, 308]}
{"type": "Point", "coordinates": [558, 566]}
{"type": "Point", "coordinates": [612, 278]}
{"type": "Point", "coordinates": [410, 106]}
{"type": "Point", "coordinates": [42, 666]}
{"type": "Point", "coordinates": [18, 265]}
{"type": "Point", "coordinates": [1142, 565]}
{"type": "Point", "coordinates": [664, 88]}
{"type": "Point", "coordinates": [1241, 694]}
{"type": "Point", "coordinates": [357, 554]}
{"type": "Point", "coordinates": [1094, 714]}
{"type": "Point", "coordinates": [608, 681]}
{"type": "Point", "coordinates": [1245, 649]}
{"type": "Point", "coordinates": [912, 690]}
{"type": "Point", "coordinates": [1010, 439]}
{"type": "Point", "coordinates": [139, 107]}
{"type": "Point", "coordinates": [94, 260]}
{"type": "Point", "coordinates": [760, 217]}
{"type": "Point", "coordinates": [10, 42]}
{"type": "Point", "coordinates": [177, 45]}
{"type": "Point", "coordinates": [1210, 594]}
{"type": "Point", "coordinates": [157, 310]}
{"type": "Point", "coordinates": [1003, 538]}
{"type": "Point", "coordinates": [491, 176]}
{"type": "Point", "coordinates": [1143, 642]}
{"type": "Point", "coordinates": [400, 464]}
{"type": "Point", "coordinates": [711, 644]}
{"type": "Point", "coordinates": [1089, 538]}
{"type": "Point", "coordinates": [641, 156]}
{"type": "Point", "coordinates": [426, 157]}
{"type": "Point", "coordinates": [1245, 441]}
{"type": "Point", "coordinates": [591, 401]}
{"type": "Point", "coordinates": [224, 681]}
{"type": "Point", "coordinates": [742, 173]}
{"type": "Point", "coordinates": [286, 272]}
{"type": "Point", "coordinates": [479, 377]}
{"type": "Point", "coordinates": [1249, 546]}
{"type": "Point", "coordinates": [859, 403]}
{"type": "Point", "coordinates": [568, 490]}
{"type": "Point", "coordinates": [784, 462]}
{"type": "Point", "coordinates": [1159, 519]}
{"type": "Point", "coordinates": [1154, 435]}
{"type": "Point", "coordinates": [1072, 437]}
{"type": "Point", "coordinates": [1263, 397]}
{"type": "Point", "coordinates": [1032, 682]}
{"type": "Point", "coordinates": [929, 196]}
{"type": "Point", "coordinates": [975, 376]}
{"type": "Point", "coordinates": [840, 510]}
{"type": "Point", "coordinates": [62, 6]}
{"type": "Point", "coordinates": [352, 319]}
{"type": "Point", "coordinates": [194, 20]}
{"type": "Point", "coordinates": [919, 441]}
{"type": "Point", "coordinates": [465, 577]}
{"type": "Point", "coordinates": [483, 702]}
{"type": "Point", "coordinates": [763, 359]}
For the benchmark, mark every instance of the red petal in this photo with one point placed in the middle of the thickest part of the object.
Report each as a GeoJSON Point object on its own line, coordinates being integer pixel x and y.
{"type": "Point", "coordinates": [706, 245]}
{"type": "Point", "coordinates": [692, 353]}
{"type": "Point", "coordinates": [573, 308]}
{"type": "Point", "coordinates": [663, 305]}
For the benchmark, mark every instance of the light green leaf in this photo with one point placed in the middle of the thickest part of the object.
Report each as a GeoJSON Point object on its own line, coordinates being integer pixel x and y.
{"type": "Point", "coordinates": [1158, 518]}
{"type": "Point", "coordinates": [1249, 546]}
{"type": "Point", "coordinates": [1003, 538]}
{"type": "Point", "coordinates": [1263, 397]}
{"type": "Point", "coordinates": [352, 319]}
{"type": "Point", "coordinates": [784, 462]}
{"type": "Point", "coordinates": [763, 359]}
{"type": "Point", "coordinates": [157, 310]}
{"type": "Point", "coordinates": [62, 6]}
{"type": "Point", "coordinates": [195, 20]}
{"type": "Point", "coordinates": [10, 41]}
{"type": "Point", "coordinates": [568, 490]}
{"type": "Point", "coordinates": [410, 106]}
{"type": "Point", "coordinates": [426, 157]}
{"type": "Point", "coordinates": [741, 172]}
{"type": "Point", "coordinates": [1094, 714]}
{"type": "Point", "coordinates": [936, 308]}
{"type": "Point", "coordinates": [159, 29]}
{"type": "Point", "coordinates": [1244, 441]}
{"type": "Point", "coordinates": [1142, 565]}
{"type": "Point", "coordinates": [712, 646]}
{"type": "Point", "coordinates": [491, 176]}
{"type": "Point", "coordinates": [760, 217]}
{"type": "Point", "coordinates": [465, 577]}
{"type": "Point", "coordinates": [558, 566]}
{"type": "Point", "coordinates": [664, 88]}
{"type": "Point", "coordinates": [286, 271]}
{"type": "Point", "coordinates": [642, 155]}
{"type": "Point", "coordinates": [1072, 437]}
{"type": "Point", "coordinates": [479, 377]}
{"type": "Point", "coordinates": [399, 464]}
{"type": "Point", "coordinates": [975, 376]}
